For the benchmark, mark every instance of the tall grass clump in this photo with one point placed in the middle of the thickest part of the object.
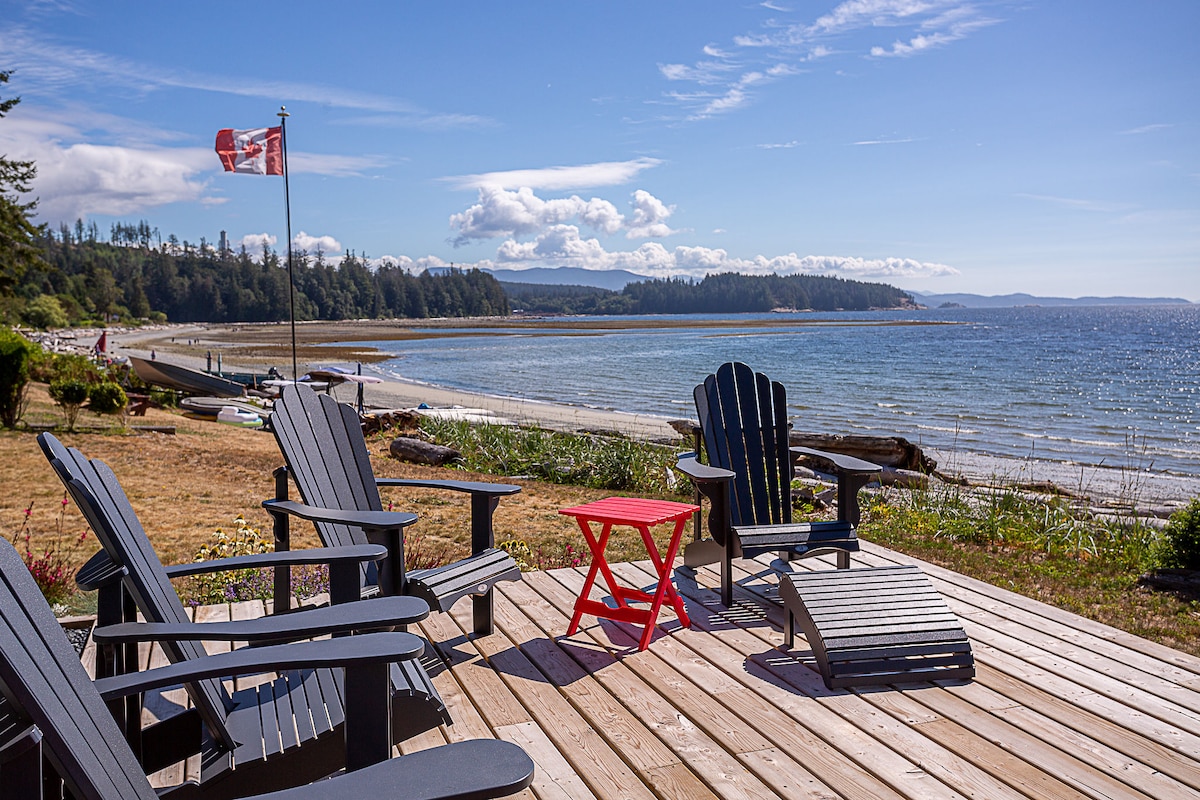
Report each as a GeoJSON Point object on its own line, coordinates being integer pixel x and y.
{"type": "Point", "coordinates": [599, 462]}
{"type": "Point", "coordinates": [1002, 518]}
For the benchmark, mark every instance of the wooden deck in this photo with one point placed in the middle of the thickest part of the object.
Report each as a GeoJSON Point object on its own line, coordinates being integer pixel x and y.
{"type": "Point", "coordinates": [1061, 706]}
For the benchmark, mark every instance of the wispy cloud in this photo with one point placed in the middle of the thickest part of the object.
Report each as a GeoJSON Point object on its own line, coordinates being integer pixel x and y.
{"type": "Point", "coordinates": [563, 178]}
{"type": "Point", "coordinates": [1158, 126]}
{"type": "Point", "coordinates": [870, 142]}
{"type": "Point", "coordinates": [778, 145]}
{"type": "Point", "coordinates": [50, 67]}
{"type": "Point", "coordinates": [777, 51]}
{"type": "Point", "coordinates": [1077, 203]}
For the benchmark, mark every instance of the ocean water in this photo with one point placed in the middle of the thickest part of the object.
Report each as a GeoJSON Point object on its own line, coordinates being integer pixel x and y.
{"type": "Point", "coordinates": [1110, 386]}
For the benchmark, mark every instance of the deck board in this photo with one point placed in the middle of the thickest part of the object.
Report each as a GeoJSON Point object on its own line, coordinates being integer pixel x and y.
{"type": "Point", "coordinates": [1061, 706]}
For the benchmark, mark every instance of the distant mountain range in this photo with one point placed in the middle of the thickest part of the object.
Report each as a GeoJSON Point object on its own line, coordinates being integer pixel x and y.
{"type": "Point", "coordinates": [1021, 299]}
{"type": "Point", "coordinates": [612, 279]}
{"type": "Point", "coordinates": [615, 280]}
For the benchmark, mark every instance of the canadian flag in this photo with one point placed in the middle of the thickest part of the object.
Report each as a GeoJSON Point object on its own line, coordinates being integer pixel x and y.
{"type": "Point", "coordinates": [257, 151]}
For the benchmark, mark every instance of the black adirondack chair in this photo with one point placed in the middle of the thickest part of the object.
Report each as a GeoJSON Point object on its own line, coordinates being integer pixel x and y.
{"type": "Point", "coordinates": [57, 738]}
{"type": "Point", "coordinates": [326, 455]}
{"type": "Point", "coordinates": [282, 733]}
{"type": "Point", "coordinates": [748, 477]}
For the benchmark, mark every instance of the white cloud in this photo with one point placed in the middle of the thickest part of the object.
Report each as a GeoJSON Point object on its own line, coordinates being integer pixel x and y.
{"type": "Point", "coordinates": [1158, 126]}
{"type": "Point", "coordinates": [562, 245]}
{"type": "Point", "coordinates": [311, 244]}
{"type": "Point", "coordinates": [50, 66]}
{"type": "Point", "coordinates": [604, 173]}
{"type": "Point", "coordinates": [255, 242]}
{"type": "Point", "coordinates": [649, 217]}
{"type": "Point", "coordinates": [500, 212]}
{"type": "Point", "coordinates": [779, 47]}
{"type": "Point", "coordinates": [76, 179]}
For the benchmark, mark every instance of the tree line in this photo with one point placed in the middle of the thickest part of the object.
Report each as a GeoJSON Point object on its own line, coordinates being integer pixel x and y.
{"type": "Point", "coordinates": [725, 293]}
{"type": "Point", "coordinates": [137, 275]}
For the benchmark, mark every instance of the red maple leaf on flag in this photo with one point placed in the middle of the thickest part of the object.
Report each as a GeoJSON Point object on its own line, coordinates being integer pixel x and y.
{"type": "Point", "coordinates": [257, 151]}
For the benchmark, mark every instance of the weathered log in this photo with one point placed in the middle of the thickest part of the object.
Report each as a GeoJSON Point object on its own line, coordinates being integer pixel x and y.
{"type": "Point", "coordinates": [386, 420]}
{"type": "Point", "coordinates": [887, 451]}
{"type": "Point", "coordinates": [419, 451]}
{"type": "Point", "coordinates": [685, 428]}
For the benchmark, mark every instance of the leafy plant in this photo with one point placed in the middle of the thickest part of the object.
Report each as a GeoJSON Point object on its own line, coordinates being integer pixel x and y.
{"type": "Point", "coordinates": [70, 393]}
{"type": "Point", "coordinates": [51, 558]}
{"type": "Point", "coordinates": [1179, 545]}
{"type": "Point", "coordinates": [532, 559]}
{"type": "Point", "coordinates": [45, 311]}
{"type": "Point", "coordinates": [15, 354]}
{"type": "Point", "coordinates": [106, 398]}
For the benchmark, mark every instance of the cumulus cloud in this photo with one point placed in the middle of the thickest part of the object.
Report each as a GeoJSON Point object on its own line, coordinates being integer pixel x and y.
{"type": "Point", "coordinates": [255, 242]}
{"type": "Point", "coordinates": [312, 244]}
{"type": "Point", "coordinates": [565, 178]}
{"type": "Point", "coordinates": [649, 217]}
{"type": "Point", "coordinates": [562, 245]}
{"type": "Point", "coordinates": [76, 179]}
{"type": "Point", "coordinates": [500, 212]}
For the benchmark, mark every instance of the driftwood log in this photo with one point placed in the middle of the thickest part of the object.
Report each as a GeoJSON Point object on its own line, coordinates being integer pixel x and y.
{"type": "Point", "coordinates": [419, 451]}
{"type": "Point", "coordinates": [387, 420]}
{"type": "Point", "coordinates": [887, 451]}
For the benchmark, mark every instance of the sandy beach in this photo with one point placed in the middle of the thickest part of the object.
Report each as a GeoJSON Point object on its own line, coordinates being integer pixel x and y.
{"type": "Point", "coordinates": [254, 348]}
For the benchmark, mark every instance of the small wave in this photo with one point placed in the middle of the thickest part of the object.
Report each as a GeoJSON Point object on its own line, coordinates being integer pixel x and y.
{"type": "Point", "coordinates": [943, 429]}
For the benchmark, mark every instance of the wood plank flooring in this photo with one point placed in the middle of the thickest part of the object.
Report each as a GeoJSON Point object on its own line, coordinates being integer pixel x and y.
{"type": "Point", "coordinates": [1061, 707]}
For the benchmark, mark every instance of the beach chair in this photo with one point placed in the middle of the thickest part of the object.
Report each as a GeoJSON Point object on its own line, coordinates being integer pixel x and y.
{"type": "Point", "coordinates": [58, 739]}
{"type": "Point", "coordinates": [326, 455]}
{"type": "Point", "coordinates": [281, 733]}
{"type": "Point", "coordinates": [748, 477]}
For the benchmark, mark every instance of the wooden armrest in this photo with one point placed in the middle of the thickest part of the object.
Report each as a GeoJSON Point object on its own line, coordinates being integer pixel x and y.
{"type": "Point", "coordinates": [702, 473]}
{"type": "Point", "coordinates": [100, 570]}
{"type": "Point", "coordinates": [382, 613]}
{"type": "Point", "coordinates": [348, 651]}
{"type": "Point", "coordinates": [317, 555]}
{"type": "Point", "coordinates": [367, 520]}
{"type": "Point", "coordinates": [838, 463]}
{"type": "Point", "coordinates": [473, 487]}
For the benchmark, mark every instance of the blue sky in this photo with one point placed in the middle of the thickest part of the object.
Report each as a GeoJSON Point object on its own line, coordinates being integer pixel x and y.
{"type": "Point", "coordinates": [994, 146]}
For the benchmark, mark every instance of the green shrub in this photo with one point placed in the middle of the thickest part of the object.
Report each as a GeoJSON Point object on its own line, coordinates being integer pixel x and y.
{"type": "Point", "coordinates": [1179, 547]}
{"type": "Point", "coordinates": [15, 353]}
{"type": "Point", "coordinates": [70, 394]}
{"type": "Point", "coordinates": [106, 398]}
{"type": "Point", "coordinates": [45, 311]}
{"type": "Point", "coordinates": [47, 367]}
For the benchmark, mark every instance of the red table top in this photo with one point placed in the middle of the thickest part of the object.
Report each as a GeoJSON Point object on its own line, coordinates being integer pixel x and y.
{"type": "Point", "coordinates": [631, 511]}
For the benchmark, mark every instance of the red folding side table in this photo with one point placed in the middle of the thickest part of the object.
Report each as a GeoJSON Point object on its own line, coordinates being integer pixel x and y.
{"type": "Point", "coordinates": [641, 514]}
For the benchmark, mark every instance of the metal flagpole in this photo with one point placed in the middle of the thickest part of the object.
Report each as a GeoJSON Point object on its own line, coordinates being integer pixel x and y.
{"type": "Point", "coordinates": [287, 204]}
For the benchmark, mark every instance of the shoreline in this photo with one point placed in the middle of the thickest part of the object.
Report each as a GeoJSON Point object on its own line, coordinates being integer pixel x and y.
{"type": "Point", "coordinates": [1112, 487]}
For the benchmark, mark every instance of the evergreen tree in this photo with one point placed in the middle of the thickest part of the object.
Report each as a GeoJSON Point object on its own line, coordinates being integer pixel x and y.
{"type": "Point", "coordinates": [18, 250]}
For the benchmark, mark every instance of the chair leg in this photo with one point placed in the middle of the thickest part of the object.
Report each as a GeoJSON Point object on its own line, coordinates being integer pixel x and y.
{"type": "Point", "coordinates": [843, 560]}
{"type": "Point", "coordinates": [789, 631]}
{"type": "Point", "coordinates": [482, 614]}
{"type": "Point", "coordinates": [727, 578]}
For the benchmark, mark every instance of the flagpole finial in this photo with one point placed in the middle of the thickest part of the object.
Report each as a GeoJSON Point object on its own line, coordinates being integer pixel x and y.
{"type": "Point", "coordinates": [283, 112]}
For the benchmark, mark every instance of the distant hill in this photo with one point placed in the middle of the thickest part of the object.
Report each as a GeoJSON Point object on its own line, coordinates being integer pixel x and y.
{"type": "Point", "coordinates": [1021, 299]}
{"type": "Point", "coordinates": [611, 279]}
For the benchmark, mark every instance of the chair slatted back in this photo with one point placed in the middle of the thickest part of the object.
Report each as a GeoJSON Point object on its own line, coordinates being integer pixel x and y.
{"type": "Point", "coordinates": [95, 489]}
{"type": "Point", "coordinates": [42, 679]}
{"type": "Point", "coordinates": [326, 455]}
{"type": "Point", "coordinates": [743, 418]}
